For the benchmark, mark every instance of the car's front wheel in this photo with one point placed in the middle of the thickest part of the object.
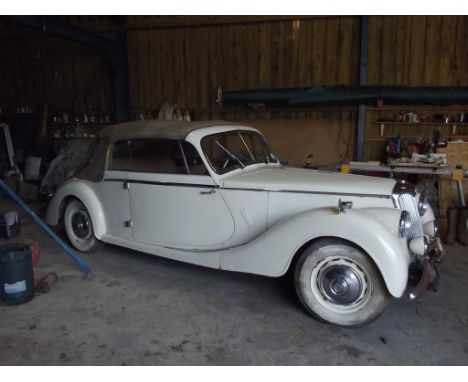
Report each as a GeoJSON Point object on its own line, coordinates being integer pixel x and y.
{"type": "Point", "coordinates": [339, 284]}
{"type": "Point", "coordinates": [79, 227]}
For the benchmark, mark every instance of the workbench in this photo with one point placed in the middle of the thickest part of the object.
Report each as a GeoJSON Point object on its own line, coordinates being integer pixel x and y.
{"type": "Point", "coordinates": [456, 174]}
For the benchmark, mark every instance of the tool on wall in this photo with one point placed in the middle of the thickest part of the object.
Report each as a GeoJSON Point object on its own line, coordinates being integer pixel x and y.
{"type": "Point", "coordinates": [14, 170]}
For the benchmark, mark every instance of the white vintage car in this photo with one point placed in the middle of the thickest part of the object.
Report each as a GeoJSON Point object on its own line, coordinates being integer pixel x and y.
{"type": "Point", "coordinates": [215, 195]}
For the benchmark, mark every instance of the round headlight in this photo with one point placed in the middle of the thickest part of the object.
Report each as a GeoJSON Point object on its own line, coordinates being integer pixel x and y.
{"type": "Point", "coordinates": [422, 206]}
{"type": "Point", "coordinates": [405, 224]}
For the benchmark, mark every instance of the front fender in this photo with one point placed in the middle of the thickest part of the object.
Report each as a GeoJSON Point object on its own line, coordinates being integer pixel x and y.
{"type": "Point", "coordinates": [83, 191]}
{"type": "Point", "coordinates": [369, 228]}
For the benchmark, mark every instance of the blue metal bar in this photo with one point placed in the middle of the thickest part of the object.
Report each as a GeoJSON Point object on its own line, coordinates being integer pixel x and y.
{"type": "Point", "coordinates": [84, 267]}
{"type": "Point", "coordinates": [361, 116]}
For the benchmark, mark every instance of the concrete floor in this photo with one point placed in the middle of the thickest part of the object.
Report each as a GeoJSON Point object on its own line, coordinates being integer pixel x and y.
{"type": "Point", "coordinates": [144, 310]}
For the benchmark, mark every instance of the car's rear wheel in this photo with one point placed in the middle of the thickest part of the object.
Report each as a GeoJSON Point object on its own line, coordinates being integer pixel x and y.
{"type": "Point", "coordinates": [339, 284]}
{"type": "Point", "coordinates": [79, 227]}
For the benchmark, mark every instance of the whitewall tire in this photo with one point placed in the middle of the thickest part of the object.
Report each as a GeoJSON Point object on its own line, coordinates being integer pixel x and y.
{"type": "Point", "coordinates": [339, 284]}
{"type": "Point", "coordinates": [79, 227]}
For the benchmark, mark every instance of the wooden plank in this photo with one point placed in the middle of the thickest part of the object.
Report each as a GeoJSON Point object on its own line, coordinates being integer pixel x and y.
{"type": "Point", "coordinates": [203, 65]}
{"type": "Point", "coordinates": [166, 62]}
{"type": "Point", "coordinates": [265, 55]}
{"type": "Point", "coordinates": [251, 57]}
{"type": "Point", "coordinates": [318, 68]}
{"type": "Point", "coordinates": [388, 50]}
{"type": "Point", "coordinates": [152, 67]}
{"type": "Point", "coordinates": [132, 69]}
{"type": "Point", "coordinates": [290, 36]}
{"type": "Point", "coordinates": [402, 49]}
{"type": "Point", "coordinates": [215, 70]}
{"type": "Point", "coordinates": [418, 51]}
{"type": "Point", "coordinates": [374, 50]}
{"type": "Point", "coordinates": [70, 94]}
{"type": "Point", "coordinates": [141, 87]}
{"type": "Point", "coordinates": [304, 53]}
{"type": "Point", "coordinates": [461, 53]}
{"type": "Point", "coordinates": [225, 47]}
{"type": "Point", "coordinates": [276, 59]}
{"type": "Point", "coordinates": [27, 61]}
{"type": "Point", "coordinates": [144, 69]}
{"type": "Point", "coordinates": [345, 44]}
{"type": "Point", "coordinates": [16, 79]}
{"type": "Point", "coordinates": [190, 69]}
{"type": "Point", "coordinates": [355, 50]}
{"type": "Point", "coordinates": [433, 53]}
{"type": "Point", "coordinates": [447, 50]}
{"type": "Point", "coordinates": [332, 59]}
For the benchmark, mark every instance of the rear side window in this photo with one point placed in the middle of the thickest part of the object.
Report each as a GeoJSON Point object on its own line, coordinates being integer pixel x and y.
{"type": "Point", "coordinates": [156, 155]}
{"type": "Point", "coordinates": [194, 162]}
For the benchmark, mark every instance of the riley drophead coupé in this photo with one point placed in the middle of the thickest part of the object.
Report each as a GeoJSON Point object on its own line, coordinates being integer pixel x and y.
{"type": "Point", "coordinates": [214, 194]}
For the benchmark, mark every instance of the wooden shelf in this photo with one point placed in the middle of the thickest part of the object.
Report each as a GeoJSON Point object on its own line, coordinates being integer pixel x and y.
{"type": "Point", "coordinates": [449, 124]}
{"type": "Point", "coordinates": [82, 123]}
{"type": "Point", "coordinates": [418, 108]}
{"type": "Point", "coordinates": [65, 138]}
{"type": "Point", "coordinates": [384, 137]}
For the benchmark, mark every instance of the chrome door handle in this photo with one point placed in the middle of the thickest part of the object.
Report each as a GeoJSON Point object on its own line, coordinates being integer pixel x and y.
{"type": "Point", "coordinates": [207, 192]}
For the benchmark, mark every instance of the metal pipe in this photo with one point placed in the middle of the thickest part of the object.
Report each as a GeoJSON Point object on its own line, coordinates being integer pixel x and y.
{"type": "Point", "coordinates": [348, 95]}
{"type": "Point", "coordinates": [84, 267]}
{"type": "Point", "coordinates": [461, 196]}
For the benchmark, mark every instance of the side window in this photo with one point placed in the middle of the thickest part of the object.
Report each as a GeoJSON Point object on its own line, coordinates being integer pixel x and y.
{"type": "Point", "coordinates": [194, 162]}
{"type": "Point", "coordinates": [120, 159]}
{"type": "Point", "coordinates": [147, 155]}
{"type": "Point", "coordinates": [156, 155]}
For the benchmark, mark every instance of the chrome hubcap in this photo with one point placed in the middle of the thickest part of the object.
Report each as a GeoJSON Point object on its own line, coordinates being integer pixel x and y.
{"type": "Point", "coordinates": [340, 283]}
{"type": "Point", "coordinates": [80, 225]}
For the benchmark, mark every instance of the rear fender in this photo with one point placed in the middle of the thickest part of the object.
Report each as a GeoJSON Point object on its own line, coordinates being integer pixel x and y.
{"type": "Point", "coordinates": [83, 191]}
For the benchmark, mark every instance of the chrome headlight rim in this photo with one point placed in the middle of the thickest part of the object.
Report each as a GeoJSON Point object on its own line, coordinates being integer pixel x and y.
{"type": "Point", "coordinates": [422, 205]}
{"type": "Point", "coordinates": [404, 224]}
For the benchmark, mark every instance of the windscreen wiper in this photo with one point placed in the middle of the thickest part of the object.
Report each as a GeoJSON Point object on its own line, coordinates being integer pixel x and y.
{"type": "Point", "coordinates": [231, 155]}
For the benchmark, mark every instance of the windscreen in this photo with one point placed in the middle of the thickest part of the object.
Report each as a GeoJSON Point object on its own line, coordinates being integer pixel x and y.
{"type": "Point", "coordinates": [230, 150]}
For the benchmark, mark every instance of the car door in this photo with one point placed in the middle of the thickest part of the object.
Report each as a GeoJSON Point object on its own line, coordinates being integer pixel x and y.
{"type": "Point", "coordinates": [173, 200]}
{"type": "Point", "coordinates": [113, 191]}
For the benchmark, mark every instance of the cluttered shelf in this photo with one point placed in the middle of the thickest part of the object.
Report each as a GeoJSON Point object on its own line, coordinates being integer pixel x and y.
{"type": "Point", "coordinates": [383, 138]}
{"type": "Point", "coordinates": [81, 137]}
{"type": "Point", "coordinates": [422, 147]}
{"type": "Point", "coordinates": [98, 123]}
{"type": "Point", "coordinates": [420, 123]}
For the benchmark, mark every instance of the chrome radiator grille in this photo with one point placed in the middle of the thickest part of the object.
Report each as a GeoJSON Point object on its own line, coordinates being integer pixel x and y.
{"type": "Point", "coordinates": [408, 203]}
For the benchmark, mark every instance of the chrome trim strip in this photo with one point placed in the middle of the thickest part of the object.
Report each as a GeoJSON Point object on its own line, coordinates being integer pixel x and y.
{"type": "Point", "coordinates": [247, 189]}
{"type": "Point", "coordinates": [311, 192]}
{"type": "Point", "coordinates": [194, 185]}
